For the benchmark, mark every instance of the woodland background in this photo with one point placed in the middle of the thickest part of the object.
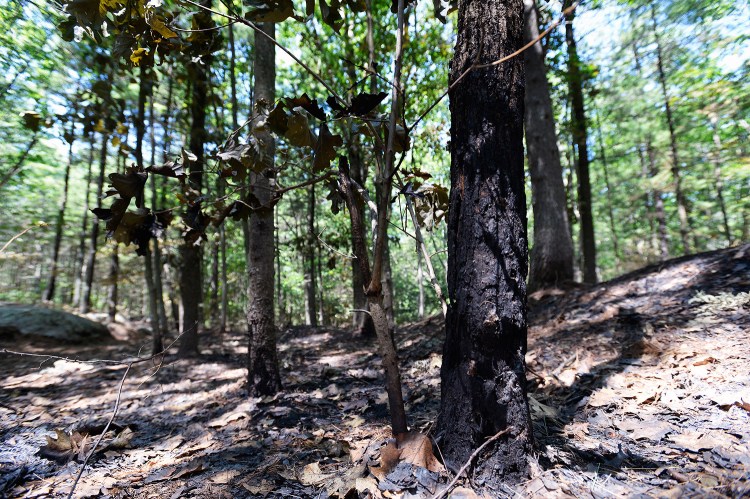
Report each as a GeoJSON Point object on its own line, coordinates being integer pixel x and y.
{"type": "Point", "coordinates": [704, 47]}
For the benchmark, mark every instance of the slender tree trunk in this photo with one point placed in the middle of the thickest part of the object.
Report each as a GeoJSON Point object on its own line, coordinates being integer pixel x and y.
{"type": "Point", "coordinates": [49, 292]}
{"type": "Point", "coordinates": [420, 285]}
{"type": "Point", "coordinates": [13, 171]}
{"type": "Point", "coordinates": [483, 373]}
{"type": "Point", "coordinates": [191, 275]}
{"type": "Point", "coordinates": [78, 289]}
{"type": "Point", "coordinates": [163, 325]}
{"type": "Point", "coordinates": [661, 216]}
{"type": "Point", "coordinates": [281, 302]}
{"type": "Point", "coordinates": [262, 366]}
{"type": "Point", "coordinates": [145, 87]}
{"type": "Point", "coordinates": [682, 210]}
{"type": "Point", "coordinates": [245, 222]}
{"type": "Point", "coordinates": [361, 319]}
{"type": "Point", "coordinates": [88, 269]}
{"type": "Point", "coordinates": [719, 183]}
{"type": "Point", "coordinates": [552, 253]}
{"type": "Point", "coordinates": [610, 203]}
{"type": "Point", "coordinates": [311, 306]}
{"type": "Point", "coordinates": [113, 277]}
{"type": "Point", "coordinates": [580, 138]}
{"type": "Point", "coordinates": [321, 303]}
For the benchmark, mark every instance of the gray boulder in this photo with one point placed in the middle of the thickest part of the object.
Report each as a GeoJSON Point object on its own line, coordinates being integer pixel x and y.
{"type": "Point", "coordinates": [30, 320]}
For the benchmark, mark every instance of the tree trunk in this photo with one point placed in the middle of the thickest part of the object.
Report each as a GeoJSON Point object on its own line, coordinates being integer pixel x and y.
{"type": "Point", "coordinates": [682, 210]}
{"type": "Point", "coordinates": [420, 285]}
{"type": "Point", "coordinates": [580, 138]}
{"type": "Point", "coordinates": [191, 275]}
{"type": "Point", "coordinates": [483, 373]}
{"type": "Point", "coordinates": [311, 306]}
{"type": "Point", "coordinates": [661, 216]}
{"type": "Point", "coordinates": [262, 364]}
{"type": "Point", "coordinates": [156, 263]}
{"type": "Point", "coordinates": [552, 253]}
{"type": "Point", "coordinates": [88, 269]}
{"type": "Point", "coordinates": [610, 204]}
{"type": "Point", "coordinates": [321, 303]}
{"type": "Point", "coordinates": [719, 184]}
{"type": "Point", "coordinates": [113, 278]}
{"type": "Point", "coordinates": [362, 321]}
{"type": "Point", "coordinates": [78, 286]}
{"type": "Point", "coordinates": [49, 292]}
{"type": "Point", "coordinates": [20, 162]}
{"type": "Point", "coordinates": [386, 346]}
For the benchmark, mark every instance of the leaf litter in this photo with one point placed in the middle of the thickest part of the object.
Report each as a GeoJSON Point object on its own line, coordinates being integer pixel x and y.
{"type": "Point", "coordinates": [638, 387]}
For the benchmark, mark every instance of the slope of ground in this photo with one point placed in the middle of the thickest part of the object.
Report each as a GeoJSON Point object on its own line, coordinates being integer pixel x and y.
{"type": "Point", "coordinates": [639, 387]}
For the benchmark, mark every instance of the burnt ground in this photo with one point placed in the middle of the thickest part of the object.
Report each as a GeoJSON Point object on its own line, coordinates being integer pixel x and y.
{"type": "Point", "coordinates": [640, 387]}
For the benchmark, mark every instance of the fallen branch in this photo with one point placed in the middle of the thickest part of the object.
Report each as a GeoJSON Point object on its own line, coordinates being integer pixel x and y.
{"type": "Point", "coordinates": [466, 465]}
{"type": "Point", "coordinates": [106, 428]}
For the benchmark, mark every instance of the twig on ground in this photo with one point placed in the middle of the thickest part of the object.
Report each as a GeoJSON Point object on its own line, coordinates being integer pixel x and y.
{"type": "Point", "coordinates": [466, 465]}
{"type": "Point", "coordinates": [106, 428]}
{"type": "Point", "coordinates": [126, 362]}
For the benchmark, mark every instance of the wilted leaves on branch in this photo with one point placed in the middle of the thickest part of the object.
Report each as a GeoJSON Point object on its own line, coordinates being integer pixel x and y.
{"type": "Point", "coordinates": [269, 11]}
{"type": "Point", "coordinates": [325, 149]}
{"type": "Point", "coordinates": [361, 105]}
{"type": "Point", "coordinates": [241, 157]}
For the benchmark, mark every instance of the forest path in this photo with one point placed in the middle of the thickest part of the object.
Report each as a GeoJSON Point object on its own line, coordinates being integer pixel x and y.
{"type": "Point", "coordinates": [639, 386]}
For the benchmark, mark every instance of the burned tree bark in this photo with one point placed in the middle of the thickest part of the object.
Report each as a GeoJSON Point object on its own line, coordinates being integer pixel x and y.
{"type": "Point", "coordinates": [483, 372]}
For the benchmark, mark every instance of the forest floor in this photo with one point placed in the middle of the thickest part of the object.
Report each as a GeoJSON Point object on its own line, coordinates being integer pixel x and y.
{"type": "Point", "coordinates": [638, 387]}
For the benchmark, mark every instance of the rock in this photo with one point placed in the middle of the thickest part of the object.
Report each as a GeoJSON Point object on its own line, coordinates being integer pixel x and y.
{"type": "Point", "coordinates": [29, 320]}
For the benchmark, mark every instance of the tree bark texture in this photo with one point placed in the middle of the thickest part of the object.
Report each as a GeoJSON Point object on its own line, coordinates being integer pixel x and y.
{"type": "Point", "coordinates": [483, 372]}
{"type": "Point", "coordinates": [191, 278]}
{"type": "Point", "coordinates": [552, 253]}
{"type": "Point", "coordinates": [580, 139]}
{"type": "Point", "coordinates": [262, 366]}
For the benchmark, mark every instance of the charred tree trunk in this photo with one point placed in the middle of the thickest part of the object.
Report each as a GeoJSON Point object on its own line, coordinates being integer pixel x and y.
{"type": "Point", "coordinates": [483, 373]}
{"type": "Point", "coordinates": [262, 363]}
{"type": "Point", "coordinates": [580, 138]}
{"type": "Point", "coordinates": [552, 253]}
{"type": "Point", "coordinates": [191, 275]}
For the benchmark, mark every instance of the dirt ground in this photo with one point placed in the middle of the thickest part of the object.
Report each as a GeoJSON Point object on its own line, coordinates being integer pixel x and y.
{"type": "Point", "coordinates": [639, 387]}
